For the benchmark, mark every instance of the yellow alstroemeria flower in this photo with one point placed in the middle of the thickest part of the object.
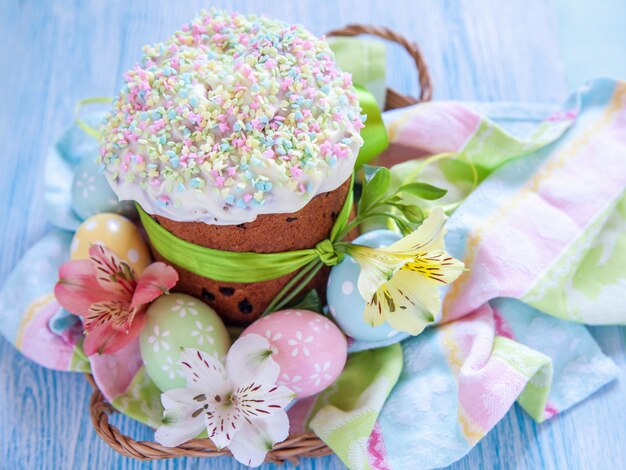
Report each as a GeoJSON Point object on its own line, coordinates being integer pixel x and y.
{"type": "Point", "coordinates": [399, 282]}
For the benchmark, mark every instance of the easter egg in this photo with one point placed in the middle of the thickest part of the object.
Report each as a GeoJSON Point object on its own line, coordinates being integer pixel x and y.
{"type": "Point", "coordinates": [309, 348]}
{"type": "Point", "coordinates": [115, 232]}
{"type": "Point", "coordinates": [91, 193]}
{"type": "Point", "coordinates": [179, 321]}
{"type": "Point", "coordinates": [344, 300]}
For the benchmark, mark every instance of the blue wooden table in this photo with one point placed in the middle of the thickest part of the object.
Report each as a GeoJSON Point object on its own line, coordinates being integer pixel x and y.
{"type": "Point", "coordinates": [54, 53]}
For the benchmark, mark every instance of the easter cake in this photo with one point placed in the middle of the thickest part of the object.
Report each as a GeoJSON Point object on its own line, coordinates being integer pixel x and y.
{"type": "Point", "coordinates": [237, 133]}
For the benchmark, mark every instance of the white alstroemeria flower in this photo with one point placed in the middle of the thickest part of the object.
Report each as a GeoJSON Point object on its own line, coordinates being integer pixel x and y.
{"type": "Point", "coordinates": [399, 282]}
{"type": "Point", "coordinates": [239, 404]}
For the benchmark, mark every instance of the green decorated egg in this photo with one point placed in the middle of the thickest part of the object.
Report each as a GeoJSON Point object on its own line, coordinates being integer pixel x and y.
{"type": "Point", "coordinates": [179, 321]}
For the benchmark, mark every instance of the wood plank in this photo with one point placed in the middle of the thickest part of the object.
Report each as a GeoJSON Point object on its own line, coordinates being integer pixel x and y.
{"type": "Point", "coordinates": [56, 53]}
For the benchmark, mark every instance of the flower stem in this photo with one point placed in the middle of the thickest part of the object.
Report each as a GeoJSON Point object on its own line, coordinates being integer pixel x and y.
{"type": "Point", "coordinates": [358, 220]}
{"type": "Point", "coordinates": [311, 274]}
{"type": "Point", "coordinates": [277, 300]}
{"type": "Point", "coordinates": [389, 215]}
{"type": "Point", "coordinates": [428, 161]}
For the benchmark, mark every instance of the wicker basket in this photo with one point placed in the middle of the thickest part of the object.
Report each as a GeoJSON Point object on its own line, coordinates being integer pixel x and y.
{"type": "Point", "coordinates": [296, 446]}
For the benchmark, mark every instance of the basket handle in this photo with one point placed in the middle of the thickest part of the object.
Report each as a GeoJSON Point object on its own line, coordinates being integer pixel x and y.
{"type": "Point", "coordinates": [394, 99]}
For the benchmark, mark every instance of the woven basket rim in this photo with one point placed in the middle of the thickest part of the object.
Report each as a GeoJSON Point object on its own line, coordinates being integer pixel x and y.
{"type": "Point", "coordinates": [295, 446]}
{"type": "Point", "coordinates": [291, 449]}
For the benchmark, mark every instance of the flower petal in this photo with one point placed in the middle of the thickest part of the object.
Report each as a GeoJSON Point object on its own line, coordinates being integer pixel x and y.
{"type": "Point", "coordinates": [262, 399]}
{"type": "Point", "coordinates": [204, 373]}
{"type": "Point", "coordinates": [118, 315]}
{"type": "Point", "coordinates": [105, 340]}
{"type": "Point", "coordinates": [183, 417]}
{"type": "Point", "coordinates": [113, 274]}
{"type": "Point", "coordinates": [437, 266]}
{"type": "Point", "coordinates": [252, 443]}
{"type": "Point", "coordinates": [250, 360]}
{"type": "Point", "coordinates": [157, 279]}
{"type": "Point", "coordinates": [223, 423]}
{"type": "Point", "coordinates": [416, 302]}
{"type": "Point", "coordinates": [377, 267]}
{"type": "Point", "coordinates": [172, 435]}
{"type": "Point", "coordinates": [427, 237]}
{"type": "Point", "coordinates": [421, 251]}
{"type": "Point", "coordinates": [375, 312]}
{"type": "Point", "coordinates": [78, 288]}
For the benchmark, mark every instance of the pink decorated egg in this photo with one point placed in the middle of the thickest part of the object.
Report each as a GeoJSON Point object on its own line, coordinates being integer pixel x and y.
{"type": "Point", "coordinates": [309, 348]}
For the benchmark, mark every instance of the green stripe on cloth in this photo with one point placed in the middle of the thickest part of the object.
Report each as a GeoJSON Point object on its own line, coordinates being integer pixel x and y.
{"type": "Point", "coordinates": [345, 414]}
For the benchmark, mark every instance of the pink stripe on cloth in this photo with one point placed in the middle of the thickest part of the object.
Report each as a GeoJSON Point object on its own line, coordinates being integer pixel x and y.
{"type": "Point", "coordinates": [581, 193]}
{"type": "Point", "coordinates": [436, 127]}
{"type": "Point", "coordinates": [488, 394]}
{"type": "Point", "coordinates": [376, 450]}
{"type": "Point", "coordinates": [550, 410]}
{"type": "Point", "coordinates": [42, 345]}
{"type": "Point", "coordinates": [114, 372]}
{"type": "Point", "coordinates": [299, 414]}
{"type": "Point", "coordinates": [487, 385]}
{"type": "Point", "coordinates": [503, 329]}
{"type": "Point", "coordinates": [502, 326]}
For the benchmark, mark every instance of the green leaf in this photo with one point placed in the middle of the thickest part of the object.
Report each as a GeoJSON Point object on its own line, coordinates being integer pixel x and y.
{"type": "Point", "coordinates": [423, 191]}
{"type": "Point", "coordinates": [310, 301]}
{"type": "Point", "coordinates": [398, 219]}
{"type": "Point", "coordinates": [403, 226]}
{"type": "Point", "coordinates": [413, 213]}
{"type": "Point", "coordinates": [375, 187]}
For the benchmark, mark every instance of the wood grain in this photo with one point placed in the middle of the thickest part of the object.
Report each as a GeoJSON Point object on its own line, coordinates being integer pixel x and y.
{"type": "Point", "coordinates": [54, 53]}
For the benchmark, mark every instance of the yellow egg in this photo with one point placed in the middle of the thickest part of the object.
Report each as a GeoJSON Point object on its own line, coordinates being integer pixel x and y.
{"type": "Point", "coordinates": [115, 232]}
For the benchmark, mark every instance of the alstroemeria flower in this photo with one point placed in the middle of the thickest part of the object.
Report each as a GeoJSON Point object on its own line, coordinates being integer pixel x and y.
{"type": "Point", "coordinates": [239, 403]}
{"type": "Point", "coordinates": [399, 282]}
{"type": "Point", "coordinates": [104, 291]}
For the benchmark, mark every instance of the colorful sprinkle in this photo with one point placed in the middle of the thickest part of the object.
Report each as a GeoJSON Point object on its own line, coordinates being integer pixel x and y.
{"type": "Point", "coordinates": [225, 102]}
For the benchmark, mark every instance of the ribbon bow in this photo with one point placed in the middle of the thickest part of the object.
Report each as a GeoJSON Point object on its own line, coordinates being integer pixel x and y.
{"type": "Point", "coordinates": [327, 253]}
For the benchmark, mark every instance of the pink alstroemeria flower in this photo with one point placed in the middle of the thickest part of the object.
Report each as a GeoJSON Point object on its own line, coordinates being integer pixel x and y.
{"type": "Point", "coordinates": [112, 302]}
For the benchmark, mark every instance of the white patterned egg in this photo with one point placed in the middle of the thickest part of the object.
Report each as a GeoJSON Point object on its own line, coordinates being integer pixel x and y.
{"type": "Point", "coordinates": [115, 232]}
{"type": "Point", "coordinates": [309, 348]}
{"type": "Point", "coordinates": [179, 321]}
{"type": "Point", "coordinates": [344, 300]}
{"type": "Point", "coordinates": [91, 193]}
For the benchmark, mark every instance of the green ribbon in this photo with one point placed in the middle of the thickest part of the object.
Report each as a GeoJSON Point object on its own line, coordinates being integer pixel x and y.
{"type": "Point", "coordinates": [365, 60]}
{"type": "Point", "coordinates": [232, 266]}
{"type": "Point", "coordinates": [86, 128]}
{"type": "Point", "coordinates": [374, 133]}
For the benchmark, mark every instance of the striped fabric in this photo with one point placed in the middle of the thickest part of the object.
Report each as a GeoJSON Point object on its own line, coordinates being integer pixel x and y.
{"type": "Point", "coordinates": [542, 229]}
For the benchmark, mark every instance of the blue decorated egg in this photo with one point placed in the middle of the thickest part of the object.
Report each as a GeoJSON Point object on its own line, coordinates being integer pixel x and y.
{"type": "Point", "coordinates": [91, 193]}
{"type": "Point", "coordinates": [344, 300]}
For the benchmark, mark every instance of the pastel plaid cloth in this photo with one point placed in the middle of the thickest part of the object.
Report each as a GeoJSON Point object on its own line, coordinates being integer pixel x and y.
{"type": "Point", "coordinates": [544, 236]}
{"type": "Point", "coordinates": [542, 229]}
